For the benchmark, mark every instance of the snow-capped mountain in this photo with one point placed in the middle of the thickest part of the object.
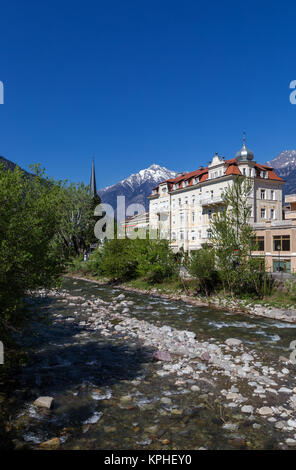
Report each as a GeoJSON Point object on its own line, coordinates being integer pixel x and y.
{"type": "Point", "coordinates": [137, 186]}
{"type": "Point", "coordinates": [285, 166]}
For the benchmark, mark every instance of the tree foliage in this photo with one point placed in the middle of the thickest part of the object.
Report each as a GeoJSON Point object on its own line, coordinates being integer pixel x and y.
{"type": "Point", "coordinates": [233, 239]}
{"type": "Point", "coordinates": [29, 254]}
{"type": "Point", "coordinates": [126, 259]}
{"type": "Point", "coordinates": [202, 266]}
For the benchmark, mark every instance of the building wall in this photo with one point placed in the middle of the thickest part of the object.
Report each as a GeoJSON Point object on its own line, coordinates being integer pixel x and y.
{"type": "Point", "coordinates": [270, 230]}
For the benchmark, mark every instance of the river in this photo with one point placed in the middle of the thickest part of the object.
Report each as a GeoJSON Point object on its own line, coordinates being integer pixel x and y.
{"type": "Point", "coordinates": [107, 392]}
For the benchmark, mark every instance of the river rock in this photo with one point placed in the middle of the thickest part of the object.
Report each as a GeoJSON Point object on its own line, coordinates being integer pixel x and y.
{"type": "Point", "coordinates": [51, 443]}
{"type": "Point", "coordinates": [233, 342]}
{"type": "Point", "coordinates": [247, 409]}
{"type": "Point", "coordinates": [265, 411]}
{"type": "Point", "coordinates": [161, 356]}
{"type": "Point", "coordinates": [120, 297]}
{"type": "Point", "coordinates": [247, 357]}
{"type": "Point", "coordinates": [291, 442]}
{"type": "Point", "coordinates": [44, 402]}
{"type": "Point", "coordinates": [205, 356]}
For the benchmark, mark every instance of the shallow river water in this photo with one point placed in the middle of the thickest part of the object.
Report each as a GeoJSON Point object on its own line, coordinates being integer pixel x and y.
{"type": "Point", "coordinates": [106, 392]}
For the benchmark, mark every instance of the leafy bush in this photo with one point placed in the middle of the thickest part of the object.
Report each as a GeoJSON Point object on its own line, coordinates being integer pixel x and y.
{"type": "Point", "coordinates": [125, 259]}
{"type": "Point", "coordinates": [117, 259]}
{"type": "Point", "coordinates": [202, 266]}
{"type": "Point", "coordinates": [156, 262]}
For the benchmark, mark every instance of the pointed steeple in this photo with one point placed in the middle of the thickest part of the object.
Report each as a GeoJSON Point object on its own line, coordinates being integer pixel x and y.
{"type": "Point", "coordinates": [93, 186]}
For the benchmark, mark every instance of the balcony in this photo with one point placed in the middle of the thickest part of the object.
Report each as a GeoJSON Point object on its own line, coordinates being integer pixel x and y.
{"type": "Point", "coordinates": [210, 201]}
{"type": "Point", "coordinates": [290, 215]}
{"type": "Point", "coordinates": [290, 198]}
{"type": "Point", "coordinates": [162, 210]}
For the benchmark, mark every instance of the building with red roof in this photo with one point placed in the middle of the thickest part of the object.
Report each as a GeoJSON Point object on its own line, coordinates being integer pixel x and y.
{"type": "Point", "coordinates": [180, 209]}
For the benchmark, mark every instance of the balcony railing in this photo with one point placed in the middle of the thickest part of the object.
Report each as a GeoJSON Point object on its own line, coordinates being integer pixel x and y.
{"type": "Point", "coordinates": [290, 215]}
{"type": "Point", "coordinates": [212, 200]}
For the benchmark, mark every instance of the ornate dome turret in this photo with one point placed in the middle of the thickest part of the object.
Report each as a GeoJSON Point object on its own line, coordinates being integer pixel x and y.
{"type": "Point", "coordinates": [244, 154]}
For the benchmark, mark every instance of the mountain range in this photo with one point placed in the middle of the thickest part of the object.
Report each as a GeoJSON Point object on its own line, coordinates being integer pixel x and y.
{"type": "Point", "coordinates": [285, 166]}
{"type": "Point", "coordinates": [137, 186]}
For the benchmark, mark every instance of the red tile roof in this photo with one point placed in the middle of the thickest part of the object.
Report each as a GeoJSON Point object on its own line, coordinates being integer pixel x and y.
{"type": "Point", "coordinates": [231, 169]}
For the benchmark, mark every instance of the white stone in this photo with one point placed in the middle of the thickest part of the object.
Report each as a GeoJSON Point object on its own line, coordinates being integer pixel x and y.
{"type": "Point", "coordinates": [233, 342]}
{"type": "Point", "coordinates": [44, 402]}
{"type": "Point", "coordinates": [247, 409]}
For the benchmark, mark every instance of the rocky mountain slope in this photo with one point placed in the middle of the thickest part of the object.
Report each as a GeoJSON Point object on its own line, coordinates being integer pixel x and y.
{"type": "Point", "coordinates": [137, 186]}
{"type": "Point", "coordinates": [285, 166]}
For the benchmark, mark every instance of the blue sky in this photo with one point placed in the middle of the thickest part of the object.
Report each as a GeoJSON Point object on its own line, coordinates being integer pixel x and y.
{"type": "Point", "coordinates": [142, 82]}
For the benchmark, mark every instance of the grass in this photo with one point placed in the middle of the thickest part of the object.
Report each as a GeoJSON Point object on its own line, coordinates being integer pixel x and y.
{"type": "Point", "coordinates": [277, 298]}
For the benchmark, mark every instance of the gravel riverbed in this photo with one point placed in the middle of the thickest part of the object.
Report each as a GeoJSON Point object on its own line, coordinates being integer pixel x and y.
{"type": "Point", "coordinates": [122, 375]}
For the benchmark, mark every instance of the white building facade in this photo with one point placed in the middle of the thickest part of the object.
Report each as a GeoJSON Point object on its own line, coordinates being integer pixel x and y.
{"type": "Point", "coordinates": [180, 209]}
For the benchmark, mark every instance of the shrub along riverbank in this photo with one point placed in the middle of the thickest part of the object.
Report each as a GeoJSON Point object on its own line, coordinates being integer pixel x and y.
{"type": "Point", "coordinates": [150, 266]}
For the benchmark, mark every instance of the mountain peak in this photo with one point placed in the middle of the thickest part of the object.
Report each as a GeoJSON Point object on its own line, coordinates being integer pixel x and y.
{"type": "Point", "coordinates": [285, 166]}
{"type": "Point", "coordinates": [287, 158]}
{"type": "Point", "coordinates": [137, 186]}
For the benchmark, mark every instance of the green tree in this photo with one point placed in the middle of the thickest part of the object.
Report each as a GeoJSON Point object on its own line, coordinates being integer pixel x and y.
{"type": "Point", "coordinates": [202, 265]}
{"type": "Point", "coordinates": [76, 211]}
{"type": "Point", "coordinates": [156, 261]}
{"type": "Point", "coordinates": [233, 239]}
{"type": "Point", "coordinates": [30, 256]}
{"type": "Point", "coordinates": [117, 259]}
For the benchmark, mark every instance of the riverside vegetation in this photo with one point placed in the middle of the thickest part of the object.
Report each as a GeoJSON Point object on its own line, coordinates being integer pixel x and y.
{"type": "Point", "coordinates": [42, 224]}
{"type": "Point", "coordinates": [47, 224]}
{"type": "Point", "coordinates": [223, 270]}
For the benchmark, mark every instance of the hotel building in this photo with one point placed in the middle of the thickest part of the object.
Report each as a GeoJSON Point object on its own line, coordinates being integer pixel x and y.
{"type": "Point", "coordinates": [180, 209]}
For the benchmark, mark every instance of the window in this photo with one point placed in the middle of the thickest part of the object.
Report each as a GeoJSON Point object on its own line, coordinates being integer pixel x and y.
{"type": "Point", "coordinates": [259, 244]}
{"type": "Point", "coordinates": [250, 172]}
{"type": "Point", "coordinates": [192, 234]}
{"type": "Point", "coordinates": [181, 218]}
{"type": "Point", "coordinates": [263, 174]}
{"type": "Point", "coordinates": [263, 213]}
{"type": "Point", "coordinates": [244, 171]}
{"type": "Point", "coordinates": [179, 201]}
{"type": "Point", "coordinates": [173, 236]}
{"type": "Point", "coordinates": [193, 216]}
{"type": "Point", "coordinates": [272, 213]}
{"type": "Point", "coordinates": [272, 195]}
{"type": "Point", "coordinates": [281, 243]}
{"type": "Point", "coordinates": [262, 193]}
{"type": "Point", "coordinates": [181, 235]}
{"type": "Point", "coordinates": [186, 183]}
{"type": "Point", "coordinates": [281, 265]}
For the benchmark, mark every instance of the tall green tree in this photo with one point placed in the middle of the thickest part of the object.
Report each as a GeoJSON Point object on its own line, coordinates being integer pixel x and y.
{"type": "Point", "coordinates": [233, 239]}
{"type": "Point", "coordinates": [76, 210]}
{"type": "Point", "coordinates": [30, 256]}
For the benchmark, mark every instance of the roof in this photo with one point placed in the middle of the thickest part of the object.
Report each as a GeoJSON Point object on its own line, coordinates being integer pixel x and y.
{"type": "Point", "coordinates": [231, 169]}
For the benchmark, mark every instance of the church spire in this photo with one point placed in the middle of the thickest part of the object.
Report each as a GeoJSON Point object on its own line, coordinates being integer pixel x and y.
{"type": "Point", "coordinates": [93, 186]}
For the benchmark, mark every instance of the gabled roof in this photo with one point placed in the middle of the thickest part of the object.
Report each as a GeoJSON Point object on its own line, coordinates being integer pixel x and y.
{"type": "Point", "coordinates": [231, 169]}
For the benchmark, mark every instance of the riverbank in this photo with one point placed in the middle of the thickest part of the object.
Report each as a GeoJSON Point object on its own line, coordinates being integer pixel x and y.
{"type": "Point", "coordinates": [221, 302]}
{"type": "Point", "coordinates": [130, 371]}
